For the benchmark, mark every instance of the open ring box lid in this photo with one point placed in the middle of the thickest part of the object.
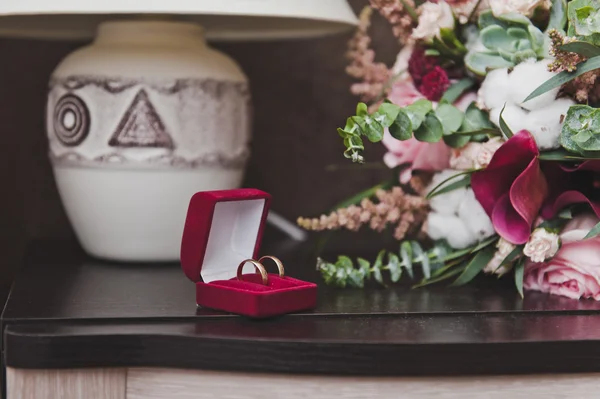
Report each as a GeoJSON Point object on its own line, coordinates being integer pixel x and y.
{"type": "Point", "coordinates": [222, 229]}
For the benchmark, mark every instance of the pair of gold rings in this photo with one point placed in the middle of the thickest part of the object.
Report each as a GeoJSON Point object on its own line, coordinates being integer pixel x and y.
{"type": "Point", "coordinates": [261, 269]}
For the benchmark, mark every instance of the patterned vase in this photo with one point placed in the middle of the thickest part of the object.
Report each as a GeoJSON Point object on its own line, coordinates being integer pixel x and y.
{"type": "Point", "coordinates": [138, 122]}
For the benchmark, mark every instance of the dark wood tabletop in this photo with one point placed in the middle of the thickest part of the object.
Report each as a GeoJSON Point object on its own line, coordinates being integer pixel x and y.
{"type": "Point", "coordinates": [67, 310]}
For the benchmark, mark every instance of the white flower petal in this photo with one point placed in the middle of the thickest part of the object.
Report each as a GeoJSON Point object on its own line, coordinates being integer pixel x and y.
{"type": "Point", "coordinates": [545, 124]}
{"type": "Point", "coordinates": [451, 228]}
{"type": "Point", "coordinates": [495, 89]}
{"type": "Point", "coordinates": [525, 78]}
{"type": "Point", "coordinates": [473, 215]}
{"type": "Point", "coordinates": [447, 203]}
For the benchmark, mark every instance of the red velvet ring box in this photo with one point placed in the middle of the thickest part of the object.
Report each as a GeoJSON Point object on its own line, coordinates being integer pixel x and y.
{"type": "Point", "coordinates": [222, 229]}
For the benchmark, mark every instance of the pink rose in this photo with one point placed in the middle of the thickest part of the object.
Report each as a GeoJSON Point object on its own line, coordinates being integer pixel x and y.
{"type": "Point", "coordinates": [574, 271]}
{"type": "Point", "coordinates": [417, 155]}
{"type": "Point", "coordinates": [404, 92]}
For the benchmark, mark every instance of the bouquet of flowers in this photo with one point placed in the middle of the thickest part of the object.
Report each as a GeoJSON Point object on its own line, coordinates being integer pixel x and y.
{"type": "Point", "coordinates": [491, 121]}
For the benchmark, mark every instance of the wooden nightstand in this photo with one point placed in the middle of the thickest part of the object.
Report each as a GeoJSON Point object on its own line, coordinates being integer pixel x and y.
{"type": "Point", "coordinates": [76, 327]}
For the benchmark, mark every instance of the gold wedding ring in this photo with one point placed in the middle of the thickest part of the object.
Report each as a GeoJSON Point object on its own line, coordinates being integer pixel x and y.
{"type": "Point", "coordinates": [278, 262]}
{"type": "Point", "coordinates": [259, 267]}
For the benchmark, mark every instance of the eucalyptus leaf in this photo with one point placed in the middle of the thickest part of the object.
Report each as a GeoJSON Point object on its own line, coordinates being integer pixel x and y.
{"type": "Point", "coordinates": [417, 111]}
{"type": "Point", "coordinates": [386, 114]}
{"type": "Point", "coordinates": [362, 110]}
{"type": "Point", "coordinates": [457, 140]}
{"type": "Point", "coordinates": [457, 89]}
{"type": "Point", "coordinates": [450, 117]}
{"type": "Point", "coordinates": [365, 266]}
{"type": "Point", "coordinates": [420, 256]}
{"type": "Point", "coordinates": [372, 129]}
{"type": "Point", "coordinates": [394, 267]}
{"type": "Point", "coordinates": [475, 266]}
{"type": "Point", "coordinates": [475, 119]}
{"type": "Point", "coordinates": [377, 267]}
{"type": "Point", "coordinates": [431, 130]}
{"type": "Point", "coordinates": [406, 254]}
{"type": "Point", "coordinates": [401, 129]}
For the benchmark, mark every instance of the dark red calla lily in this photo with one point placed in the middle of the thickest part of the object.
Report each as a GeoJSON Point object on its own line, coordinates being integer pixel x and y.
{"type": "Point", "coordinates": [570, 185]}
{"type": "Point", "coordinates": [512, 188]}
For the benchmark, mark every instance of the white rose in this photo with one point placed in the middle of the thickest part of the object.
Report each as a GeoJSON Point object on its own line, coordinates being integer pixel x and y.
{"type": "Point", "coordinates": [475, 155]}
{"type": "Point", "coordinates": [487, 151]}
{"type": "Point", "coordinates": [524, 7]}
{"type": "Point", "coordinates": [542, 245]}
{"type": "Point", "coordinates": [504, 248]}
{"type": "Point", "coordinates": [434, 16]}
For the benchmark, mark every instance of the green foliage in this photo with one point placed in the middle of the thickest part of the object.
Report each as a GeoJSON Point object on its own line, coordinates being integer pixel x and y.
{"type": "Point", "coordinates": [445, 186]}
{"type": "Point", "coordinates": [438, 263]}
{"type": "Point", "coordinates": [504, 126]}
{"type": "Point", "coordinates": [581, 130]}
{"type": "Point", "coordinates": [420, 120]}
{"type": "Point", "coordinates": [519, 273]}
{"type": "Point", "coordinates": [343, 272]}
{"type": "Point", "coordinates": [565, 156]}
{"type": "Point", "coordinates": [508, 39]}
{"type": "Point", "coordinates": [565, 77]}
{"type": "Point", "coordinates": [475, 266]}
{"type": "Point", "coordinates": [448, 46]}
{"type": "Point", "coordinates": [586, 49]}
{"type": "Point", "coordinates": [558, 15]}
{"type": "Point", "coordinates": [593, 232]}
{"type": "Point", "coordinates": [456, 90]}
{"type": "Point", "coordinates": [584, 20]}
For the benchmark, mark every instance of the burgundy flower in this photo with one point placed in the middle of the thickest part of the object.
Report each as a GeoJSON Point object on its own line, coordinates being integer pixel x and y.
{"type": "Point", "coordinates": [512, 188]}
{"type": "Point", "coordinates": [434, 84]}
{"type": "Point", "coordinates": [572, 185]}
{"type": "Point", "coordinates": [420, 64]}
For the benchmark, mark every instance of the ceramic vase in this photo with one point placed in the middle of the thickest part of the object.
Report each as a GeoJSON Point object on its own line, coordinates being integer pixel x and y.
{"type": "Point", "coordinates": [137, 122]}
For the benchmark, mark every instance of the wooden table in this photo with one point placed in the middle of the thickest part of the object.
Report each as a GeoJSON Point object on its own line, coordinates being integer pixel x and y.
{"type": "Point", "coordinates": [76, 327]}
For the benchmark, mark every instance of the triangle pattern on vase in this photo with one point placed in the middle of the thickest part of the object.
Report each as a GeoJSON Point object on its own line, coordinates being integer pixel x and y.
{"type": "Point", "coordinates": [141, 126]}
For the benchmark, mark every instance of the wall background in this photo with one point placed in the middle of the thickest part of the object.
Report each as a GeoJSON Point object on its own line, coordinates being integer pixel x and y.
{"type": "Point", "coordinates": [301, 95]}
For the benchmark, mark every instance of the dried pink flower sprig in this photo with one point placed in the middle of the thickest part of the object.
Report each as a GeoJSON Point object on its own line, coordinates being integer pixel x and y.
{"type": "Point", "coordinates": [398, 15]}
{"type": "Point", "coordinates": [395, 207]}
{"type": "Point", "coordinates": [374, 76]}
